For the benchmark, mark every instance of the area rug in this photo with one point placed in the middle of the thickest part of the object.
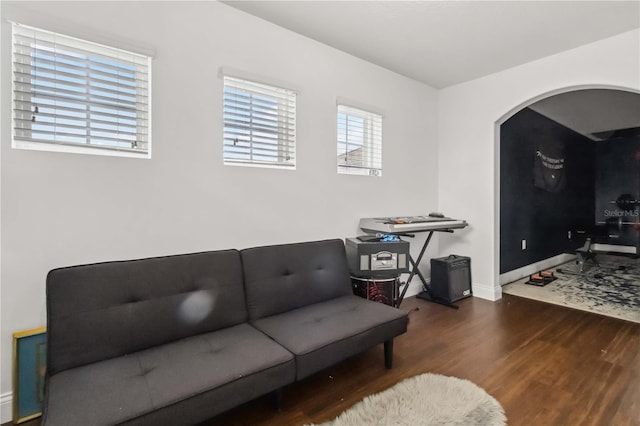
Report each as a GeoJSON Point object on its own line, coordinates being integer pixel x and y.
{"type": "Point", "coordinates": [428, 399]}
{"type": "Point", "coordinates": [611, 289]}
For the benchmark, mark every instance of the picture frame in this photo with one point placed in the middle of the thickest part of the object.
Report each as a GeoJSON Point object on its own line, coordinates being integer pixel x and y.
{"type": "Point", "coordinates": [29, 368]}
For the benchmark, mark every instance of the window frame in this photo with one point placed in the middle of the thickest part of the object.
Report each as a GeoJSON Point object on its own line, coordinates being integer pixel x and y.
{"type": "Point", "coordinates": [256, 114]}
{"type": "Point", "coordinates": [370, 135]}
{"type": "Point", "coordinates": [121, 78]}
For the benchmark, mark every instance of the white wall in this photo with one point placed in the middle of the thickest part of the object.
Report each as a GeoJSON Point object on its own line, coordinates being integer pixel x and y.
{"type": "Point", "coordinates": [65, 209]}
{"type": "Point", "coordinates": [467, 148]}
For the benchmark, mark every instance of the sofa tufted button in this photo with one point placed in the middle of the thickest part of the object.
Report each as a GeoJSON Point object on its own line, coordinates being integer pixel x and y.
{"type": "Point", "coordinates": [146, 371]}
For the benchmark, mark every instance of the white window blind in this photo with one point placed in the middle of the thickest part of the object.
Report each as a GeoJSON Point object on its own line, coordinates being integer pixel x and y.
{"type": "Point", "coordinates": [359, 141]}
{"type": "Point", "coordinates": [74, 93]}
{"type": "Point", "coordinates": [259, 124]}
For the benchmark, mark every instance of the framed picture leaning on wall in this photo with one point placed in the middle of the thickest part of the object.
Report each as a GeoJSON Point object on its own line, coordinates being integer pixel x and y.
{"type": "Point", "coordinates": [29, 368]}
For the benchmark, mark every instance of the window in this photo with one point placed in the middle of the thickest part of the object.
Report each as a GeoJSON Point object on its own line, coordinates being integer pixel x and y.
{"type": "Point", "coordinates": [76, 96]}
{"type": "Point", "coordinates": [259, 124]}
{"type": "Point", "coordinates": [359, 142]}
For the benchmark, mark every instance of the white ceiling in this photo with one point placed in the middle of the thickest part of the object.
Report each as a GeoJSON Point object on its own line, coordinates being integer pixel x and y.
{"type": "Point", "coordinates": [593, 111]}
{"type": "Point", "coordinates": [442, 43]}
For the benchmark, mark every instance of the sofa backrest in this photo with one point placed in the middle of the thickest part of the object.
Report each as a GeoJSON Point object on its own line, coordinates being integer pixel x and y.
{"type": "Point", "coordinates": [284, 277]}
{"type": "Point", "coordinates": [104, 310]}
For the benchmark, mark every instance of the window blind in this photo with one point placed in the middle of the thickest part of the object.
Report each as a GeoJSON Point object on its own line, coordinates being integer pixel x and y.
{"type": "Point", "coordinates": [259, 124]}
{"type": "Point", "coordinates": [73, 92]}
{"type": "Point", "coordinates": [359, 141]}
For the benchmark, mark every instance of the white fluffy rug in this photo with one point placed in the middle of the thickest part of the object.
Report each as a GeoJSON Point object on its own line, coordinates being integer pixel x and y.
{"type": "Point", "coordinates": [428, 399]}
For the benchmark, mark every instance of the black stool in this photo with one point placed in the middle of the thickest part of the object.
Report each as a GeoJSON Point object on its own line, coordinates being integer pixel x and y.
{"type": "Point", "coordinates": [585, 254]}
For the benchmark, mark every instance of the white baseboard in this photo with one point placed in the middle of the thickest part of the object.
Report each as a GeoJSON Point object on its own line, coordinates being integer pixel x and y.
{"type": "Point", "coordinates": [487, 292]}
{"type": "Point", "coordinates": [615, 248]}
{"type": "Point", "coordinates": [483, 292]}
{"type": "Point", "coordinates": [516, 274]}
{"type": "Point", "coordinates": [414, 288]}
{"type": "Point", "coordinates": [6, 407]}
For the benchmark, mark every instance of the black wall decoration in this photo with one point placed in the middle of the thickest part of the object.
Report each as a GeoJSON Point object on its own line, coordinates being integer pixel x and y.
{"type": "Point", "coordinates": [548, 172]}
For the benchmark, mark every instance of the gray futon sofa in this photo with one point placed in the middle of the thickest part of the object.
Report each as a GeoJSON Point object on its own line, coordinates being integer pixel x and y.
{"type": "Point", "coordinates": [180, 339]}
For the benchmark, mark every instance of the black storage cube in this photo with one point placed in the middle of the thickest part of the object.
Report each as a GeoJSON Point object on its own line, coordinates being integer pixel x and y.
{"type": "Point", "coordinates": [451, 277]}
{"type": "Point", "coordinates": [383, 290]}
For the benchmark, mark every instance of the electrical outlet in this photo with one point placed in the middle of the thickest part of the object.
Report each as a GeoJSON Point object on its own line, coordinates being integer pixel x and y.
{"type": "Point", "coordinates": [569, 234]}
{"type": "Point", "coordinates": [524, 244]}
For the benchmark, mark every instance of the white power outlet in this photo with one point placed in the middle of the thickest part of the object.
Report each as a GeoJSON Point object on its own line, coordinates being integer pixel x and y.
{"type": "Point", "coordinates": [524, 244]}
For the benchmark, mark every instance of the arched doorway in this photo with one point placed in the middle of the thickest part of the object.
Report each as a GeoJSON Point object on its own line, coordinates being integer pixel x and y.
{"type": "Point", "coordinates": [549, 140]}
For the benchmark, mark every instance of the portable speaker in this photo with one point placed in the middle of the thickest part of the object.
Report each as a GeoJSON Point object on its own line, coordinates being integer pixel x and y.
{"type": "Point", "coordinates": [451, 277]}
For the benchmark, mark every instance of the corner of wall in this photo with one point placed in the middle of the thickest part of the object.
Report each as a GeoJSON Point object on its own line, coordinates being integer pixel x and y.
{"type": "Point", "coordinates": [414, 288]}
{"type": "Point", "coordinates": [487, 292]}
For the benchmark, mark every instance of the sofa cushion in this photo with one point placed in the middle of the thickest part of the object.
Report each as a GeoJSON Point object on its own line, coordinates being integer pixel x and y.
{"type": "Point", "coordinates": [128, 388]}
{"type": "Point", "coordinates": [284, 277]}
{"type": "Point", "coordinates": [322, 334]}
{"type": "Point", "coordinates": [104, 310]}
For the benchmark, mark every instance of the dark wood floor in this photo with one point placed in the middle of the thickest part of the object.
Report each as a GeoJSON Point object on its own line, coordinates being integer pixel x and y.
{"type": "Point", "coordinates": [545, 364]}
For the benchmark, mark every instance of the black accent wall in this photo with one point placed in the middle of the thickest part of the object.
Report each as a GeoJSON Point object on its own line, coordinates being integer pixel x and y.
{"type": "Point", "coordinates": [547, 187]}
{"type": "Point", "coordinates": [618, 190]}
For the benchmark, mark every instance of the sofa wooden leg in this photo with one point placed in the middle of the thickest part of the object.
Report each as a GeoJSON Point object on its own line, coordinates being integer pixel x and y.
{"type": "Point", "coordinates": [388, 354]}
